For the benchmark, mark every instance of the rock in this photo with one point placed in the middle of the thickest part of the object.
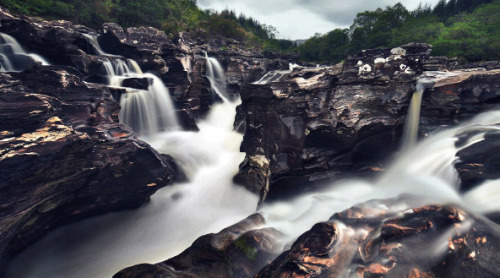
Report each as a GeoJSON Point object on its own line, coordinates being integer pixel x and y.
{"type": "Point", "coordinates": [64, 157]}
{"type": "Point", "coordinates": [428, 241]}
{"type": "Point", "coordinates": [476, 164]}
{"type": "Point", "coordinates": [316, 125]}
{"type": "Point", "coordinates": [237, 251]}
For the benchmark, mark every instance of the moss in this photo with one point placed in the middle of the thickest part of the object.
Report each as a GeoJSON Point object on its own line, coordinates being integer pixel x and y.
{"type": "Point", "coordinates": [248, 250]}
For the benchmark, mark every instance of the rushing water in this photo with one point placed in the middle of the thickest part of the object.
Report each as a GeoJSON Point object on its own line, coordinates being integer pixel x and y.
{"type": "Point", "coordinates": [216, 77]}
{"type": "Point", "coordinates": [147, 112]}
{"type": "Point", "coordinates": [13, 57]}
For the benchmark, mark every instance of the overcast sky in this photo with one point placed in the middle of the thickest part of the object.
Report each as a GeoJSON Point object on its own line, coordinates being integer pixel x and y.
{"type": "Point", "coordinates": [301, 19]}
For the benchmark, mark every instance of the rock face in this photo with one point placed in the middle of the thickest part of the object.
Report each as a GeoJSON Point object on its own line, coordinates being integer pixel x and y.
{"type": "Point", "coordinates": [320, 123]}
{"type": "Point", "coordinates": [237, 251]}
{"type": "Point", "coordinates": [315, 125]}
{"type": "Point", "coordinates": [64, 156]}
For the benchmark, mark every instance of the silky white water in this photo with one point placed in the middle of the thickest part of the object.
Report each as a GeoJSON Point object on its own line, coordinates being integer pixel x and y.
{"type": "Point", "coordinates": [216, 77]}
{"type": "Point", "coordinates": [426, 173]}
{"type": "Point", "coordinates": [275, 75]}
{"type": "Point", "coordinates": [175, 217]}
{"type": "Point", "coordinates": [145, 111]}
{"type": "Point", "coordinates": [12, 54]}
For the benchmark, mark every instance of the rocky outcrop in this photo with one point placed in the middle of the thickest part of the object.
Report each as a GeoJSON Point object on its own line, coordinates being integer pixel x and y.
{"type": "Point", "coordinates": [64, 156]}
{"type": "Point", "coordinates": [237, 251]}
{"type": "Point", "coordinates": [321, 124]}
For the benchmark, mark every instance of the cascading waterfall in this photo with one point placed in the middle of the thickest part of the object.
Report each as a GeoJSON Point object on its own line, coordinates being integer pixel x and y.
{"type": "Point", "coordinates": [175, 217]}
{"type": "Point", "coordinates": [275, 75]}
{"type": "Point", "coordinates": [13, 57]}
{"type": "Point", "coordinates": [216, 77]}
{"type": "Point", "coordinates": [145, 111]}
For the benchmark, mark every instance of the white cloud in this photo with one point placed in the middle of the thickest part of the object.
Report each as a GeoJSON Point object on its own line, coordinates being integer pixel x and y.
{"type": "Point", "coordinates": [301, 19]}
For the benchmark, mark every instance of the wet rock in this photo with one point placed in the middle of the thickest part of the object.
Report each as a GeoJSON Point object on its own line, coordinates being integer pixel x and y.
{"type": "Point", "coordinates": [64, 156]}
{"type": "Point", "coordinates": [476, 164]}
{"type": "Point", "coordinates": [237, 251]}
{"type": "Point", "coordinates": [366, 241]}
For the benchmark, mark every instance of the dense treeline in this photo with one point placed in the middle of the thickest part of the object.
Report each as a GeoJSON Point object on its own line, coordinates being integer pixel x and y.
{"type": "Point", "coordinates": [457, 28]}
{"type": "Point", "coordinates": [169, 15]}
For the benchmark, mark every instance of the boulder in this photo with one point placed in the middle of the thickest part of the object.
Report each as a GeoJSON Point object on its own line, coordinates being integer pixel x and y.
{"type": "Point", "coordinates": [237, 251]}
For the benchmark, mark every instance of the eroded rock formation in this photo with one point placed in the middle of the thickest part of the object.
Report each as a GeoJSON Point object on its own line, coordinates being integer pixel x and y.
{"type": "Point", "coordinates": [64, 156]}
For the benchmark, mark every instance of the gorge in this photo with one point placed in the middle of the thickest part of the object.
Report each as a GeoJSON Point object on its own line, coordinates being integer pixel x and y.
{"type": "Point", "coordinates": [258, 168]}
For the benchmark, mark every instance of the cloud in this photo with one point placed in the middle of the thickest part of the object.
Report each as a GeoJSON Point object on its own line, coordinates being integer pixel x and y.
{"type": "Point", "coordinates": [301, 19]}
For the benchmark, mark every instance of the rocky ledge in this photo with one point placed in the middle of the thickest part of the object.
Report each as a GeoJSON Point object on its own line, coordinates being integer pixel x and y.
{"type": "Point", "coordinates": [64, 156]}
{"type": "Point", "coordinates": [315, 125]}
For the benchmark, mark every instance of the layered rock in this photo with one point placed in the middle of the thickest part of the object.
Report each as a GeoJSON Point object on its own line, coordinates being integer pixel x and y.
{"type": "Point", "coordinates": [319, 124]}
{"type": "Point", "coordinates": [64, 156]}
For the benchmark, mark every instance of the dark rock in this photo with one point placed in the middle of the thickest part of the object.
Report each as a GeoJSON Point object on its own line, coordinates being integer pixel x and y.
{"type": "Point", "coordinates": [477, 164]}
{"type": "Point", "coordinates": [64, 156]}
{"type": "Point", "coordinates": [137, 83]}
{"type": "Point", "coordinates": [237, 251]}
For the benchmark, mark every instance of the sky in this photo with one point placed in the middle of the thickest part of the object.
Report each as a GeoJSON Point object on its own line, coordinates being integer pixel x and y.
{"type": "Point", "coordinates": [301, 19]}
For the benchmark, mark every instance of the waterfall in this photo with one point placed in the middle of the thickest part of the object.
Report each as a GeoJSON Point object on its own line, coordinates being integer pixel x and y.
{"type": "Point", "coordinates": [13, 57]}
{"type": "Point", "coordinates": [216, 77]}
{"type": "Point", "coordinates": [410, 132]}
{"type": "Point", "coordinates": [92, 39]}
{"type": "Point", "coordinates": [426, 173]}
{"type": "Point", "coordinates": [147, 112]}
{"type": "Point", "coordinates": [275, 75]}
{"type": "Point", "coordinates": [426, 80]}
{"type": "Point", "coordinates": [175, 217]}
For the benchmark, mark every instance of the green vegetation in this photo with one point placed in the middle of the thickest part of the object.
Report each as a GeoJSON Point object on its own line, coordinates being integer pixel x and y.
{"type": "Point", "coordinates": [467, 29]}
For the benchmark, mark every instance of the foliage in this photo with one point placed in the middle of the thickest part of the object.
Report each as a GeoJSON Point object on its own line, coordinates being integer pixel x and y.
{"type": "Point", "coordinates": [330, 47]}
{"type": "Point", "coordinates": [457, 28]}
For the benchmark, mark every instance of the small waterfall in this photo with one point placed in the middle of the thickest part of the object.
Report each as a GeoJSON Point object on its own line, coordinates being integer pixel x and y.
{"type": "Point", "coordinates": [13, 57]}
{"type": "Point", "coordinates": [275, 75]}
{"type": "Point", "coordinates": [423, 175]}
{"type": "Point", "coordinates": [147, 112]}
{"type": "Point", "coordinates": [216, 77]}
{"type": "Point", "coordinates": [92, 39]}
{"type": "Point", "coordinates": [410, 133]}
{"type": "Point", "coordinates": [426, 80]}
